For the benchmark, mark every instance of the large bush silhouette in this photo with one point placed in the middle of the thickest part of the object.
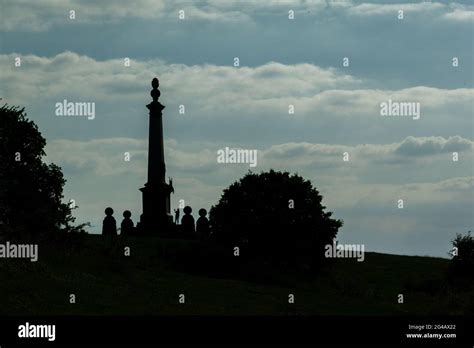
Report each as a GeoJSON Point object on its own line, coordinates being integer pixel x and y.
{"type": "Point", "coordinates": [275, 216]}
{"type": "Point", "coordinates": [31, 191]}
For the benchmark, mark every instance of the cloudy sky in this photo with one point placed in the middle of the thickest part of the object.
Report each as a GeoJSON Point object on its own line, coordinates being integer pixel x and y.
{"type": "Point", "coordinates": [282, 62]}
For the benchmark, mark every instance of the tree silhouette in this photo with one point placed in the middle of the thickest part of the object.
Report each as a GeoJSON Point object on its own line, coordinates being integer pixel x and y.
{"type": "Point", "coordinates": [31, 191]}
{"type": "Point", "coordinates": [463, 258]}
{"type": "Point", "coordinates": [275, 216]}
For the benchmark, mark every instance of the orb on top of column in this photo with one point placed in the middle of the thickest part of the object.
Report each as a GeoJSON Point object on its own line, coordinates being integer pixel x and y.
{"type": "Point", "coordinates": [155, 92]}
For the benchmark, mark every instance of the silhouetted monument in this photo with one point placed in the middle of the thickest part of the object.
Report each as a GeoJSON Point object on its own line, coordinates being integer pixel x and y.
{"type": "Point", "coordinates": [126, 227]}
{"type": "Point", "coordinates": [109, 226]}
{"type": "Point", "coordinates": [202, 225]}
{"type": "Point", "coordinates": [187, 222]}
{"type": "Point", "coordinates": [156, 217]}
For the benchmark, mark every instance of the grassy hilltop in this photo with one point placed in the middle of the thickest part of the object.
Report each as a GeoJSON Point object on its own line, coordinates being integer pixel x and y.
{"type": "Point", "coordinates": [150, 280]}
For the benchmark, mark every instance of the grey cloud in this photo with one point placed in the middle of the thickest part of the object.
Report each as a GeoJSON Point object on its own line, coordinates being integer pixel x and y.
{"type": "Point", "coordinates": [412, 146]}
{"type": "Point", "coordinates": [108, 155]}
{"type": "Point", "coordinates": [30, 15]}
{"type": "Point", "coordinates": [330, 106]}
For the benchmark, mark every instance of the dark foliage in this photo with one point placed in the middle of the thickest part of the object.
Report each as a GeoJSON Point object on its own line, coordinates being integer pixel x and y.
{"type": "Point", "coordinates": [256, 214]}
{"type": "Point", "coordinates": [31, 191]}
{"type": "Point", "coordinates": [463, 255]}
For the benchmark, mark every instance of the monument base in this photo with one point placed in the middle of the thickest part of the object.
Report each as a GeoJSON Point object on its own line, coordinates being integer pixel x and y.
{"type": "Point", "coordinates": [156, 217]}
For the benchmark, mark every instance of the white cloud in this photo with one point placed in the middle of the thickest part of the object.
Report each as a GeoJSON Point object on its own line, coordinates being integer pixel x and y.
{"type": "Point", "coordinates": [222, 100]}
{"type": "Point", "coordinates": [459, 15]}
{"type": "Point", "coordinates": [25, 15]}
{"type": "Point", "coordinates": [377, 9]}
{"type": "Point", "coordinates": [412, 146]}
{"type": "Point", "coordinates": [454, 12]}
{"type": "Point", "coordinates": [270, 85]}
{"type": "Point", "coordinates": [107, 155]}
{"type": "Point", "coordinates": [212, 86]}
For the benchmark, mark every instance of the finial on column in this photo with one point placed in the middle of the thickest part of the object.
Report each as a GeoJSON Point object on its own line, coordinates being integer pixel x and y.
{"type": "Point", "coordinates": [155, 92]}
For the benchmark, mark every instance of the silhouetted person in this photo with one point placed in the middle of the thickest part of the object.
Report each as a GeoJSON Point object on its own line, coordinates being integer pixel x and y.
{"type": "Point", "coordinates": [187, 221]}
{"type": "Point", "coordinates": [126, 227]}
{"type": "Point", "coordinates": [176, 216]}
{"type": "Point", "coordinates": [202, 225]}
{"type": "Point", "coordinates": [109, 225]}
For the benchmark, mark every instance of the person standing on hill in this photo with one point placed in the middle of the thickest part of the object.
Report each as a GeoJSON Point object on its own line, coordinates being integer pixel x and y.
{"type": "Point", "coordinates": [109, 225]}
{"type": "Point", "coordinates": [188, 221]}
{"type": "Point", "coordinates": [202, 225]}
{"type": "Point", "coordinates": [126, 227]}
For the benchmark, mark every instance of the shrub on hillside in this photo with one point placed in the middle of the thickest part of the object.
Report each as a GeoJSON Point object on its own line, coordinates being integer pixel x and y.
{"type": "Point", "coordinates": [276, 217]}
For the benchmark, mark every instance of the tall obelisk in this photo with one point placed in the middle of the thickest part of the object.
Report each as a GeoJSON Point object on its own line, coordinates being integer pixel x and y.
{"type": "Point", "coordinates": [156, 217]}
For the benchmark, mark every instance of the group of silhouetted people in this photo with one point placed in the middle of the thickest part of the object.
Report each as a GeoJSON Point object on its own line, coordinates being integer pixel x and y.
{"type": "Point", "coordinates": [202, 227]}
{"type": "Point", "coordinates": [109, 225]}
{"type": "Point", "coordinates": [127, 228]}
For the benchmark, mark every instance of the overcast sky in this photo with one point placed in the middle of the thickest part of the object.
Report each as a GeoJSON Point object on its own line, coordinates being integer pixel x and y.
{"type": "Point", "coordinates": [282, 61]}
